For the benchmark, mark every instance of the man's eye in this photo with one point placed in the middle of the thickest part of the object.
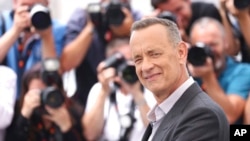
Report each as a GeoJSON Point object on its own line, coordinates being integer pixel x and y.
{"type": "Point", "coordinates": [156, 54]}
{"type": "Point", "coordinates": [137, 61]}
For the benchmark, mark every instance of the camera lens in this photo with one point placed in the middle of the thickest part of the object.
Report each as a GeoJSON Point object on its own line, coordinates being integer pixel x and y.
{"type": "Point", "coordinates": [198, 54]}
{"type": "Point", "coordinates": [114, 14]}
{"type": "Point", "coordinates": [40, 17]}
{"type": "Point", "coordinates": [52, 97]}
{"type": "Point", "coordinates": [129, 74]}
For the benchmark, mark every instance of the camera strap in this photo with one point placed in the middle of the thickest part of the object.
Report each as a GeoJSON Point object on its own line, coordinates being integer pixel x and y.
{"type": "Point", "coordinates": [124, 132]}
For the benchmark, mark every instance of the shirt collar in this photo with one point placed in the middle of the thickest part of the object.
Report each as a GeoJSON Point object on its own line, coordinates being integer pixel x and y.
{"type": "Point", "coordinates": [159, 111]}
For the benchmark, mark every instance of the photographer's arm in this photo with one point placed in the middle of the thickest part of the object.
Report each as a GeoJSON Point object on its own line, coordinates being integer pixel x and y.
{"type": "Point", "coordinates": [243, 17]}
{"type": "Point", "coordinates": [93, 119]}
{"type": "Point", "coordinates": [48, 45]}
{"type": "Point", "coordinates": [21, 20]}
{"type": "Point", "coordinates": [247, 112]}
{"type": "Point", "coordinates": [78, 37]}
{"type": "Point", "coordinates": [233, 49]}
{"type": "Point", "coordinates": [232, 104]}
{"type": "Point", "coordinates": [143, 108]}
{"type": "Point", "coordinates": [244, 21]}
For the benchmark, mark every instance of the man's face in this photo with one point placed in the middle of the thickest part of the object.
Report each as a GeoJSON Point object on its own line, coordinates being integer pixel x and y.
{"type": "Point", "coordinates": [211, 36]}
{"type": "Point", "coordinates": [156, 60]}
{"type": "Point", "coordinates": [29, 2]}
{"type": "Point", "coordinates": [181, 8]}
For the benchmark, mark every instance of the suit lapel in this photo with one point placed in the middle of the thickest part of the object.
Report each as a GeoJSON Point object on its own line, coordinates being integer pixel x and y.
{"type": "Point", "coordinates": [170, 118]}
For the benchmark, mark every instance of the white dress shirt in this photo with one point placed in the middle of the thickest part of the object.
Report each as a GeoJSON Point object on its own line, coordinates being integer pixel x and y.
{"type": "Point", "coordinates": [7, 98]}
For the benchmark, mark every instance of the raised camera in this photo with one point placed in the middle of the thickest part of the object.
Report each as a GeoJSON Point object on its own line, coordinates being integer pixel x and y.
{"type": "Point", "coordinates": [52, 95]}
{"type": "Point", "coordinates": [198, 54]}
{"type": "Point", "coordinates": [167, 15]}
{"type": "Point", "coordinates": [40, 16]}
{"type": "Point", "coordinates": [107, 13]}
{"type": "Point", "coordinates": [123, 68]}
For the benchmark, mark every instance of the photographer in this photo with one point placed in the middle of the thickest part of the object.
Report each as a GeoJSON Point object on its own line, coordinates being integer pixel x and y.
{"type": "Point", "coordinates": [225, 80]}
{"type": "Point", "coordinates": [87, 40]}
{"type": "Point", "coordinates": [186, 12]}
{"type": "Point", "coordinates": [43, 113]}
{"type": "Point", "coordinates": [28, 34]}
{"type": "Point", "coordinates": [116, 107]}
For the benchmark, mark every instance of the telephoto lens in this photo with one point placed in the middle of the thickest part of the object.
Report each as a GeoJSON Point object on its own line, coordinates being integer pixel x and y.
{"type": "Point", "coordinates": [40, 16]}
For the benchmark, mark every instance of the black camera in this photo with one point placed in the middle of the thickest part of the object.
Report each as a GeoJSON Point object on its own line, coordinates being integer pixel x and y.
{"type": "Point", "coordinates": [198, 54]}
{"type": "Point", "coordinates": [241, 4]}
{"type": "Point", "coordinates": [40, 16]}
{"type": "Point", "coordinates": [105, 14]}
{"type": "Point", "coordinates": [123, 68]}
{"type": "Point", "coordinates": [167, 15]}
{"type": "Point", "coordinates": [52, 95]}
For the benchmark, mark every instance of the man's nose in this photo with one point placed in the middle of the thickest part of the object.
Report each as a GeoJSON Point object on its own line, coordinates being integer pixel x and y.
{"type": "Point", "coordinates": [147, 65]}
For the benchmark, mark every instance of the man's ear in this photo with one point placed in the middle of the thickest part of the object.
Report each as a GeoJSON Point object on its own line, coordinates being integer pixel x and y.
{"type": "Point", "coordinates": [182, 52]}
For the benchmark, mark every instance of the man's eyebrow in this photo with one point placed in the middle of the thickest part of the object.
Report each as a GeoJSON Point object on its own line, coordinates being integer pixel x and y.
{"type": "Point", "coordinates": [136, 56]}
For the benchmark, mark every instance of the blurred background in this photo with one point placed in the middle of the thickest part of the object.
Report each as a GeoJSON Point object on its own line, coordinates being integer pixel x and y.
{"type": "Point", "coordinates": [62, 9]}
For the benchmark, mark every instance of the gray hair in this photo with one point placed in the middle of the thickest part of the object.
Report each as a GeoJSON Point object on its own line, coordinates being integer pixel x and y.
{"type": "Point", "coordinates": [172, 30]}
{"type": "Point", "coordinates": [205, 21]}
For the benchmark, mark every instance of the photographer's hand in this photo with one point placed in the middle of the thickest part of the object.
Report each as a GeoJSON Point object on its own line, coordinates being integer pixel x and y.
{"type": "Point", "coordinates": [48, 44]}
{"type": "Point", "coordinates": [105, 76]}
{"type": "Point", "coordinates": [31, 101]}
{"type": "Point", "coordinates": [124, 28]}
{"type": "Point", "coordinates": [60, 116]}
{"type": "Point", "coordinates": [21, 19]}
{"type": "Point", "coordinates": [204, 72]}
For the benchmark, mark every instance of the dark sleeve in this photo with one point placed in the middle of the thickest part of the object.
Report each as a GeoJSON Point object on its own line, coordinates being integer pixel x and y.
{"type": "Point", "coordinates": [72, 135]}
{"type": "Point", "coordinates": [19, 129]}
{"type": "Point", "coordinates": [76, 132]}
{"type": "Point", "coordinates": [75, 25]}
{"type": "Point", "coordinates": [202, 124]}
{"type": "Point", "coordinates": [202, 9]}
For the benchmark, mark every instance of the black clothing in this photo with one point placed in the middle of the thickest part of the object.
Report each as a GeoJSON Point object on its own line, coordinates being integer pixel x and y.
{"type": "Point", "coordinates": [23, 129]}
{"type": "Point", "coordinates": [201, 9]}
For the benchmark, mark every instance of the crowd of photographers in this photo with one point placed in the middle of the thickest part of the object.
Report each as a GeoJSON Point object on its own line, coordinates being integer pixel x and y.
{"type": "Point", "coordinates": [110, 103]}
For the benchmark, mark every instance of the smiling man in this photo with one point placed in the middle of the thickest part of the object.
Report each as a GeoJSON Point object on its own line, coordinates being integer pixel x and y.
{"type": "Point", "coordinates": [183, 110]}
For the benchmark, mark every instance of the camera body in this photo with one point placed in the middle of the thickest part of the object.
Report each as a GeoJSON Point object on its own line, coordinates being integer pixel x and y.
{"type": "Point", "coordinates": [167, 15]}
{"type": "Point", "coordinates": [40, 16]}
{"type": "Point", "coordinates": [105, 14]}
{"type": "Point", "coordinates": [52, 95]}
{"type": "Point", "coordinates": [198, 54]}
{"type": "Point", "coordinates": [123, 68]}
{"type": "Point", "coordinates": [241, 4]}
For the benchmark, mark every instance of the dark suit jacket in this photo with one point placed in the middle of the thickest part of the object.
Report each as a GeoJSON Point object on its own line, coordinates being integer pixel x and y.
{"type": "Point", "coordinates": [194, 117]}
